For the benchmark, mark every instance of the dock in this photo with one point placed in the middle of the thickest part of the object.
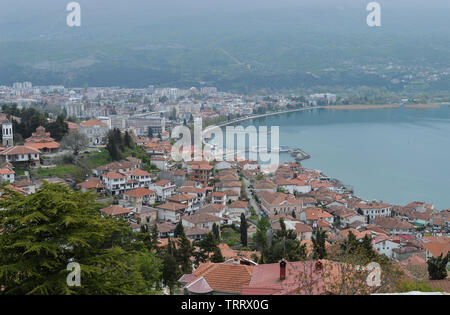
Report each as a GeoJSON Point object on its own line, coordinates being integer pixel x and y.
{"type": "Point", "coordinates": [299, 154]}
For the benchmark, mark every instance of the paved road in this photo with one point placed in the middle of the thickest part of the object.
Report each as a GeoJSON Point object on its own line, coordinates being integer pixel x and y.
{"type": "Point", "coordinates": [252, 200]}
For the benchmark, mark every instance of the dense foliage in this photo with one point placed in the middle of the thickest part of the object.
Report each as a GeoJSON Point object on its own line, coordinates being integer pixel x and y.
{"type": "Point", "coordinates": [43, 232]}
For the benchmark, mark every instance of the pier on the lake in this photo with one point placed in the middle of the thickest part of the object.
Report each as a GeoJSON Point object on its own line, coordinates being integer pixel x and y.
{"type": "Point", "coordinates": [299, 154]}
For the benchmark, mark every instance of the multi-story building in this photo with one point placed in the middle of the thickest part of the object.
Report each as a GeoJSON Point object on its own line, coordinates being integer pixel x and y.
{"type": "Point", "coordinates": [201, 173]}
{"type": "Point", "coordinates": [375, 209]}
{"type": "Point", "coordinates": [21, 155]}
{"type": "Point", "coordinates": [95, 130]}
{"type": "Point", "coordinates": [164, 188]}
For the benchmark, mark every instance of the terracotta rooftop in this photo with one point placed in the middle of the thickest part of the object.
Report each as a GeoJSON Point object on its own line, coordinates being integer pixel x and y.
{"type": "Point", "coordinates": [92, 183]}
{"type": "Point", "coordinates": [115, 210]}
{"type": "Point", "coordinates": [238, 204]}
{"type": "Point", "coordinates": [139, 192]}
{"type": "Point", "coordinates": [20, 150]}
{"type": "Point", "coordinates": [199, 218]}
{"type": "Point", "coordinates": [226, 278]}
{"type": "Point", "coordinates": [172, 206]}
{"type": "Point", "coordinates": [92, 122]}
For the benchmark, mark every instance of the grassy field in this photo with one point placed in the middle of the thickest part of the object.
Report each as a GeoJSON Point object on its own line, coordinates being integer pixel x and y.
{"type": "Point", "coordinates": [59, 171]}
{"type": "Point", "coordinates": [95, 159]}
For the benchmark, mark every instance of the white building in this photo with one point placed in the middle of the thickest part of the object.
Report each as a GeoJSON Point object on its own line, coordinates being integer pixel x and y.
{"type": "Point", "coordinates": [95, 130]}
{"type": "Point", "coordinates": [7, 134]}
{"type": "Point", "coordinates": [385, 247]}
{"type": "Point", "coordinates": [164, 188]}
{"type": "Point", "coordinates": [377, 209]}
{"type": "Point", "coordinates": [21, 154]}
{"type": "Point", "coordinates": [7, 175]}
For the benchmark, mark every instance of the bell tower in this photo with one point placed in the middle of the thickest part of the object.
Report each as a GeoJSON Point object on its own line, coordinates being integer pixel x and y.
{"type": "Point", "coordinates": [7, 134]}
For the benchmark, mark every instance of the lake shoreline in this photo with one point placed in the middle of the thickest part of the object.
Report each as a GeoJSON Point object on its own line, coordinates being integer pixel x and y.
{"type": "Point", "coordinates": [373, 186]}
{"type": "Point", "coordinates": [329, 107]}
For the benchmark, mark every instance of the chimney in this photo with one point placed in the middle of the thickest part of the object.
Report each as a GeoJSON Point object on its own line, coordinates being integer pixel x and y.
{"type": "Point", "coordinates": [318, 266]}
{"type": "Point", "coordinates": [282, 270]}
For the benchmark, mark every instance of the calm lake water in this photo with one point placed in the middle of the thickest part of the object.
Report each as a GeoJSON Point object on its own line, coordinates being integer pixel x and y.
{"type": "Point", "coordinates": [393, 155]}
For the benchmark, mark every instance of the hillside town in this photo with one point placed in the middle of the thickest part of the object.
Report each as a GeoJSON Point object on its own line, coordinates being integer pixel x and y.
{"type": "Point", "coordinates": [138, 182]}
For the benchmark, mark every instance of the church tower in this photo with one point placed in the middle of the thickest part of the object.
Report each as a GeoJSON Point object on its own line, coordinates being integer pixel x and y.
{"type": "Point", "coordinates": [7, 134]}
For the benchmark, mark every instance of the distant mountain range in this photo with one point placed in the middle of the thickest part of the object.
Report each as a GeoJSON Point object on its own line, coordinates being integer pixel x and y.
{"type": "Point", "coordinates": [238, 46]}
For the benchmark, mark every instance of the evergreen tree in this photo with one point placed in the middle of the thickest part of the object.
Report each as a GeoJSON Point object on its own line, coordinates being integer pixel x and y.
{"type": "Point", "coordinates": [184, 253]}
{"type": "Point", "coordinates": [208, 243]}
{"type": "Point", "coordinates": [170, 272]}
{"type": "Point", "coordinates": [437, 267]}
{"type": "Point", "coordinates": [366, 245]}
{"type": "Point", "coordinates": [154, 236]}
{"type": "Point", "coordinates": [58, 129]}
{"type": "Point", "coordinates": [216, 232]}
{"type": "Point", "coordinates": [351, 244]}
{"type": "Point", "coordinates": [179, 229]}
{"type": "Point", "coordinates": [217, 256]}
{"type": "Point", "coordinates": [127, 140]}
{"type": "Point", "coordinates": [243, 230]}
{"type": "Point", "coordinates": [260, 237]}
{"type": "Point", "coordinates": [112, 145]}
{"type": "Point", "coordinates": [45, 231]}
{"type": "Point", "coordinates": [284, 245]}
{"type": "Point", "coordinates": [319, 250]}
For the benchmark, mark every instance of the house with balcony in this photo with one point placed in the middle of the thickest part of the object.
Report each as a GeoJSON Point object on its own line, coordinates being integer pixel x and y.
{"type": "Point", "coordinates": [200, 172]}
{"type": "Point", "coordinates": [138, 197]}
{"type": "Point", "coordinates": [143, 178]}
{"type": "Point", "coordinates": [21, 155]}
{"type": "Point", "coordinates": [219, 197]}
{"type": "Point", "coordinates": [164, 188]}
{"type": "Point", "coordinates": [171, 211]}
{"type": "Point", "coordinates": [115, 182]}
{"type": "Point", "coordinates": [185, 199]}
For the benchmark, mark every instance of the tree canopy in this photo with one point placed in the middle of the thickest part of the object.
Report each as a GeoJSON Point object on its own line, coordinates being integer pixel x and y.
{"type": "Point", "coordinates": [43, 232]}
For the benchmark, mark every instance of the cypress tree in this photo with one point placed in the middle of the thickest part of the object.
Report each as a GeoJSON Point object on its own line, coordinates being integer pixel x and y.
{"type": "Point", "coordinates": [319, 250]}
{"type": "Point", "coordinates": [184, 253]}
{"type": "Point", "coordinates": [217, 256]}
{"type": "Point", "coordinates": [243, 230]}
{"type": "Point", "coordinates": [216, 232]}
{"type": "Point", "coordinates": [179, 229]}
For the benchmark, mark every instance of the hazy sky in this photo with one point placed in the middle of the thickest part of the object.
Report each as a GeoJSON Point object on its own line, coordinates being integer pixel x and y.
{"type": "Point", "coordinates": [25, 19]}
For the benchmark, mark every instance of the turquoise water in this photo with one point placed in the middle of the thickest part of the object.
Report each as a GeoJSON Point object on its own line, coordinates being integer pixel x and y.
{"type": "Point", "coordinates": [394, 155]}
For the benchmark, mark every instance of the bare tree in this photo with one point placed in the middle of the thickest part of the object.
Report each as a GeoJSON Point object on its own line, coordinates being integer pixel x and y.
{"type": "Point", "coordinates": [75, 141]}
{"type": "Point", "coordinates": [346, 274]}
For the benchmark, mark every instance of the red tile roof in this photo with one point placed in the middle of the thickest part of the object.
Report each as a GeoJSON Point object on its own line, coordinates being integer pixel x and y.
{"type": "Point", "coordinates": [115, 210]}
{"type": "Point", "coordinates": [4, 171]}
{"type": "Point", "coordinates": [20, 150]}
{"type": "Point", "coordinates": [92, 122]}
{"type": "Point", "coordinates": [92, 183]}
{"type": "Point", "coordinates": [114, 175]}
{"type": "Point", "coordinates": [139, 192]}
{"type": "Point", "coordinates": [172, 206]}
{"type": "Point", "coordinates": [227, 278]}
